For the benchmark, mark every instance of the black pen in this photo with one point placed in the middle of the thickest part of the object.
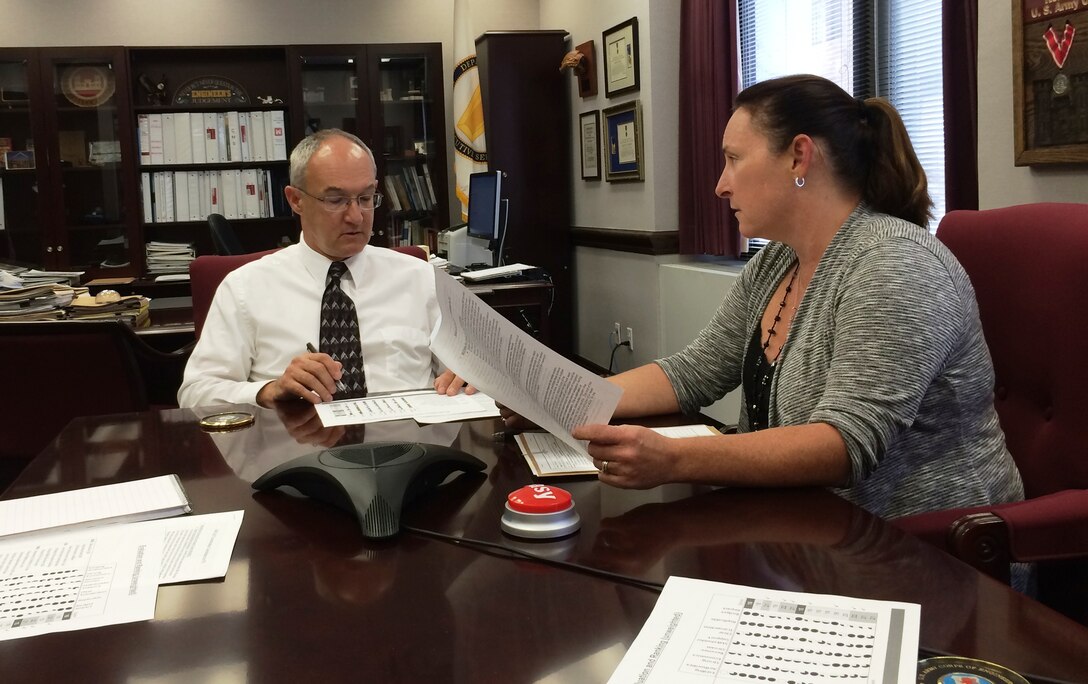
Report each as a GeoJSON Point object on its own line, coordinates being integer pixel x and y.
{"type": "Point", "coordinates": [339, 383]}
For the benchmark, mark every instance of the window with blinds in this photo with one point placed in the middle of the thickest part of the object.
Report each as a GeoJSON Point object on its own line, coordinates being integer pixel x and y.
{"type": "Point", "coordinates": [885, 48]}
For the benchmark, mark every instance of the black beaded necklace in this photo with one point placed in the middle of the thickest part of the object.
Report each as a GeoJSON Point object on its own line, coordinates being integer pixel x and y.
{"type": "Point", "coordinates": [778, 317]}
{"type": "Point", "coordinates": [758, 371]}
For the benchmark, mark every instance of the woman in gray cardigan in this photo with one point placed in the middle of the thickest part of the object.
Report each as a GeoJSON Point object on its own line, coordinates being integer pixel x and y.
{"type": "Point", "coordinates": [854, 335]}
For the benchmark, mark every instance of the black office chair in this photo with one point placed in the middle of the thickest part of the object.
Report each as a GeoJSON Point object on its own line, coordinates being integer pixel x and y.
{"type": "Point", "coordinates": [223, 237]}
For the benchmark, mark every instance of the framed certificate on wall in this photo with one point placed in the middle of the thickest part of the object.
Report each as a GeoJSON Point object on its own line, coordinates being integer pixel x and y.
{"type": "Point", "coordinates": [589, 126]}
{"type": "Point", "coordinates": [621, 58]}
{"type": "Point", "coordinates": [623, 142]}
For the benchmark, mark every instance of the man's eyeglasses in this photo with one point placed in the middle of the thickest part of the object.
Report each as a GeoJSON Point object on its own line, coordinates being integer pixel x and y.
{"type": "Point", "coordinates": [336, 203]}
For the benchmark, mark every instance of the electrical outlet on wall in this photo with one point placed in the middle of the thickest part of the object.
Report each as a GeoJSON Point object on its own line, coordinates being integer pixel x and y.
{"type": "Point", "coordinates": [619, 335]}
{"type": "Point", "coordinates": [631, 339]}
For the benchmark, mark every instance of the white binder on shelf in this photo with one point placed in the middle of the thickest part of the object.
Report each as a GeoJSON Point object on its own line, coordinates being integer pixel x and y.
{"type": "Point", "coordinates": [183, 138]}
{"type": "Point", "coordinates": [244, 138]}
{"type": "Point", "coordinates": [215, 195]}
{"type": "Point", "coordinates": [279, 136]}
{"type": "Point", "coordinates": [211, 138]}
{"type": "Point", "coordinates": [251, 201]}
{"type": "Point", "coordinates": [143, 125]}
{"type": "Point", "coordinates": [169, 148]}
{"type": "Point", "coordinates": [196, 137]}
{"type": "Point", "coordinates": [154, 123]}
{"type": "Point", "coordinates": [156, 191]}
{"type": "Point", "coordinates": [256, 137]}
{"type": "Point", "coordinates": [145, 195]}
{"type": "Point", "coordinates": [229, 188]}
{"type": "Point", "coordinates": [181, 196]}
{"type": "Point", "coordinates": [269, 145]}
{"type": "Point", "coordinates": [221, 137]}
{"type": "Point", "coordinates": [234, 137]}
{"type": "Point", "coordinates": [193, 179]}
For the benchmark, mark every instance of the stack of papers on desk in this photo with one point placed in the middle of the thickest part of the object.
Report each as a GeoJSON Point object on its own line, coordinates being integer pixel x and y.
{"type": "Point", "coordinates": [58, 574]}
{"type": "Point", "coordinates": [42, 302]}
{"type": "Point", "coordinates": [549, 456]}
{"type": "Point", "coordinates": [156, 497]}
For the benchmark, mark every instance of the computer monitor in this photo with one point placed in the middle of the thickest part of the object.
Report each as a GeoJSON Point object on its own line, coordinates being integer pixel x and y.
{"type": "Point", "coordinates": [484, 195]}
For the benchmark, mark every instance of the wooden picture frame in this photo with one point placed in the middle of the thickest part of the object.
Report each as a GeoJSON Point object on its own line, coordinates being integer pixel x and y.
{"type": "Point", "coordinates": [621, 63]}
{"type": "Point", "coordinates": [1050, 82]}
{"type": "Point", "coordinates": [589, 127]}
{"type": "Point", "coordinates": [587, 77]}
{"type": "Point", "coordinates": [623, 142]}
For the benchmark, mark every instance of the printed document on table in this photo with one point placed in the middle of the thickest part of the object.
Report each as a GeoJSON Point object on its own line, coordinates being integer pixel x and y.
{"type": "Point", "coordinates": [547, 456]}
{"type": "Point", "coordinates": [701, 631]}
{"type": "Point", "coordinates": [196, 547]}
{"type": "Point", "coordinates": [493, 355]}
{"type": "Point", "coordinates": [424, 406]}
{"type": "Point", "coordinates": [75, 580]}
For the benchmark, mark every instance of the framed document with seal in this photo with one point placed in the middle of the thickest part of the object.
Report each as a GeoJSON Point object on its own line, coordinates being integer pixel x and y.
{"type": "Point", "coordinates": [623, 142]}
{"type": "Point", "coordinates": [621, 58]}
{"type": "Point", "coordinates": [1050, 81]}
{"type": "Point", "coordinates": [589, 125]}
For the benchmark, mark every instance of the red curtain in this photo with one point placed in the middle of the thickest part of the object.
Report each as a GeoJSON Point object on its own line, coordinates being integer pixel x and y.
{"type": "Point", "coordinates": [708, 85]}
{"type": "Point", "coordinates": [959, 29]}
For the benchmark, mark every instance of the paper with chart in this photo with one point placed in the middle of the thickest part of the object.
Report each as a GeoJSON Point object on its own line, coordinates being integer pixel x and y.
{"type": "Point", "coordinates": [701, 632]}
{"type": "Point", "coordinates": [424, 406]}
{"type": "Point", "coordinates": [76, 580]}
{"type": "Point", "coordinates": [496, 357]}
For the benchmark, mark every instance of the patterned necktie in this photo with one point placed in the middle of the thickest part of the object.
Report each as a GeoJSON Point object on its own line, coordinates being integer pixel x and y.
{"type": "Point", "coordinates": [340, 334]}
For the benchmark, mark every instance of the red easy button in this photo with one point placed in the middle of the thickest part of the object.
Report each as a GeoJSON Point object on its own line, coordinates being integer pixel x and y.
{"type": "Point", "coordinates": [539, 498]}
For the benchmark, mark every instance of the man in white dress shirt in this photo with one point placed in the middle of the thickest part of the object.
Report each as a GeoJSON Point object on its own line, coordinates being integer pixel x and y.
{"type": "Point", "coordinates": [253, 348]}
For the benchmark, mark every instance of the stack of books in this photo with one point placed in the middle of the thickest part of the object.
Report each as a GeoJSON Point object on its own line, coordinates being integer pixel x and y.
{"type": "Point", "coordinates": [33, 302]}
{"type": "Point", "coordinates": [169, 259]}
{"type": "Point", "coordinates": [132, 310]}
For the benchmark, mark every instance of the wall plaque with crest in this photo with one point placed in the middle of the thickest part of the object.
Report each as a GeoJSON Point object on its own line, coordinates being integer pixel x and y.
{"type": "Point", "coordinates": [1050, 81]}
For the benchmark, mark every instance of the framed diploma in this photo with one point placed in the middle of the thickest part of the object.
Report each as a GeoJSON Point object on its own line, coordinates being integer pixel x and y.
{"type": "Point", "coordinates": [621, 58]}
{"type": "Point", "coordinates": [589, 125]}
{"type": "Point", "coordinates": [623, 142]}
{"type": "Point", "coordinates": [1050, 81]}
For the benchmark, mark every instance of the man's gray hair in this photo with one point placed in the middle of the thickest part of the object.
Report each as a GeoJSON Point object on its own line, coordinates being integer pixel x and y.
{"type": "Point", "coordinates": [300, 156]}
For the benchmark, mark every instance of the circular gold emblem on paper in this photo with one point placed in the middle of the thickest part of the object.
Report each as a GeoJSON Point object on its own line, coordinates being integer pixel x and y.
{"type": "Point", "coordinates": [220, 422]}
{"type": "Point", "coordinates": [87, 86]}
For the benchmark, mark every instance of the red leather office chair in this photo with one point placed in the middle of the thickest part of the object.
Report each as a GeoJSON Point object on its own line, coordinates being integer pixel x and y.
{"type": "Point", "coordinates": [1029, 268]}
{"type": "Point", "coordinates": [412, 250]}
{"type": "Point", "coordinates": [206, 272]}
{"type": "Point", "coordinates": [57, 371]}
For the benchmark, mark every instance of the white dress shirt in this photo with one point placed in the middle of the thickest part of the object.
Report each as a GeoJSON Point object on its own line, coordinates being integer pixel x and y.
{"type": "Point", "coordinates": [265, 312]}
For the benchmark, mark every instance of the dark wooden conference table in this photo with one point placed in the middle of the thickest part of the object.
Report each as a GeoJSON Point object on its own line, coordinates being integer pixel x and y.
{"type": "Point", "coordinates": [306, 598]}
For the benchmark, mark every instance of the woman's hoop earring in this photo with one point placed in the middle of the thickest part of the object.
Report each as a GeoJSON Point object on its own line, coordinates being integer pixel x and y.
{"type": "Point", "coordinates": [799, 181]}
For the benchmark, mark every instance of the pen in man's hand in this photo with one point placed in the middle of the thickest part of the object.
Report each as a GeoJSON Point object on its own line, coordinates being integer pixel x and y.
{"type": "Point", "coordinates": [339, 383]}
